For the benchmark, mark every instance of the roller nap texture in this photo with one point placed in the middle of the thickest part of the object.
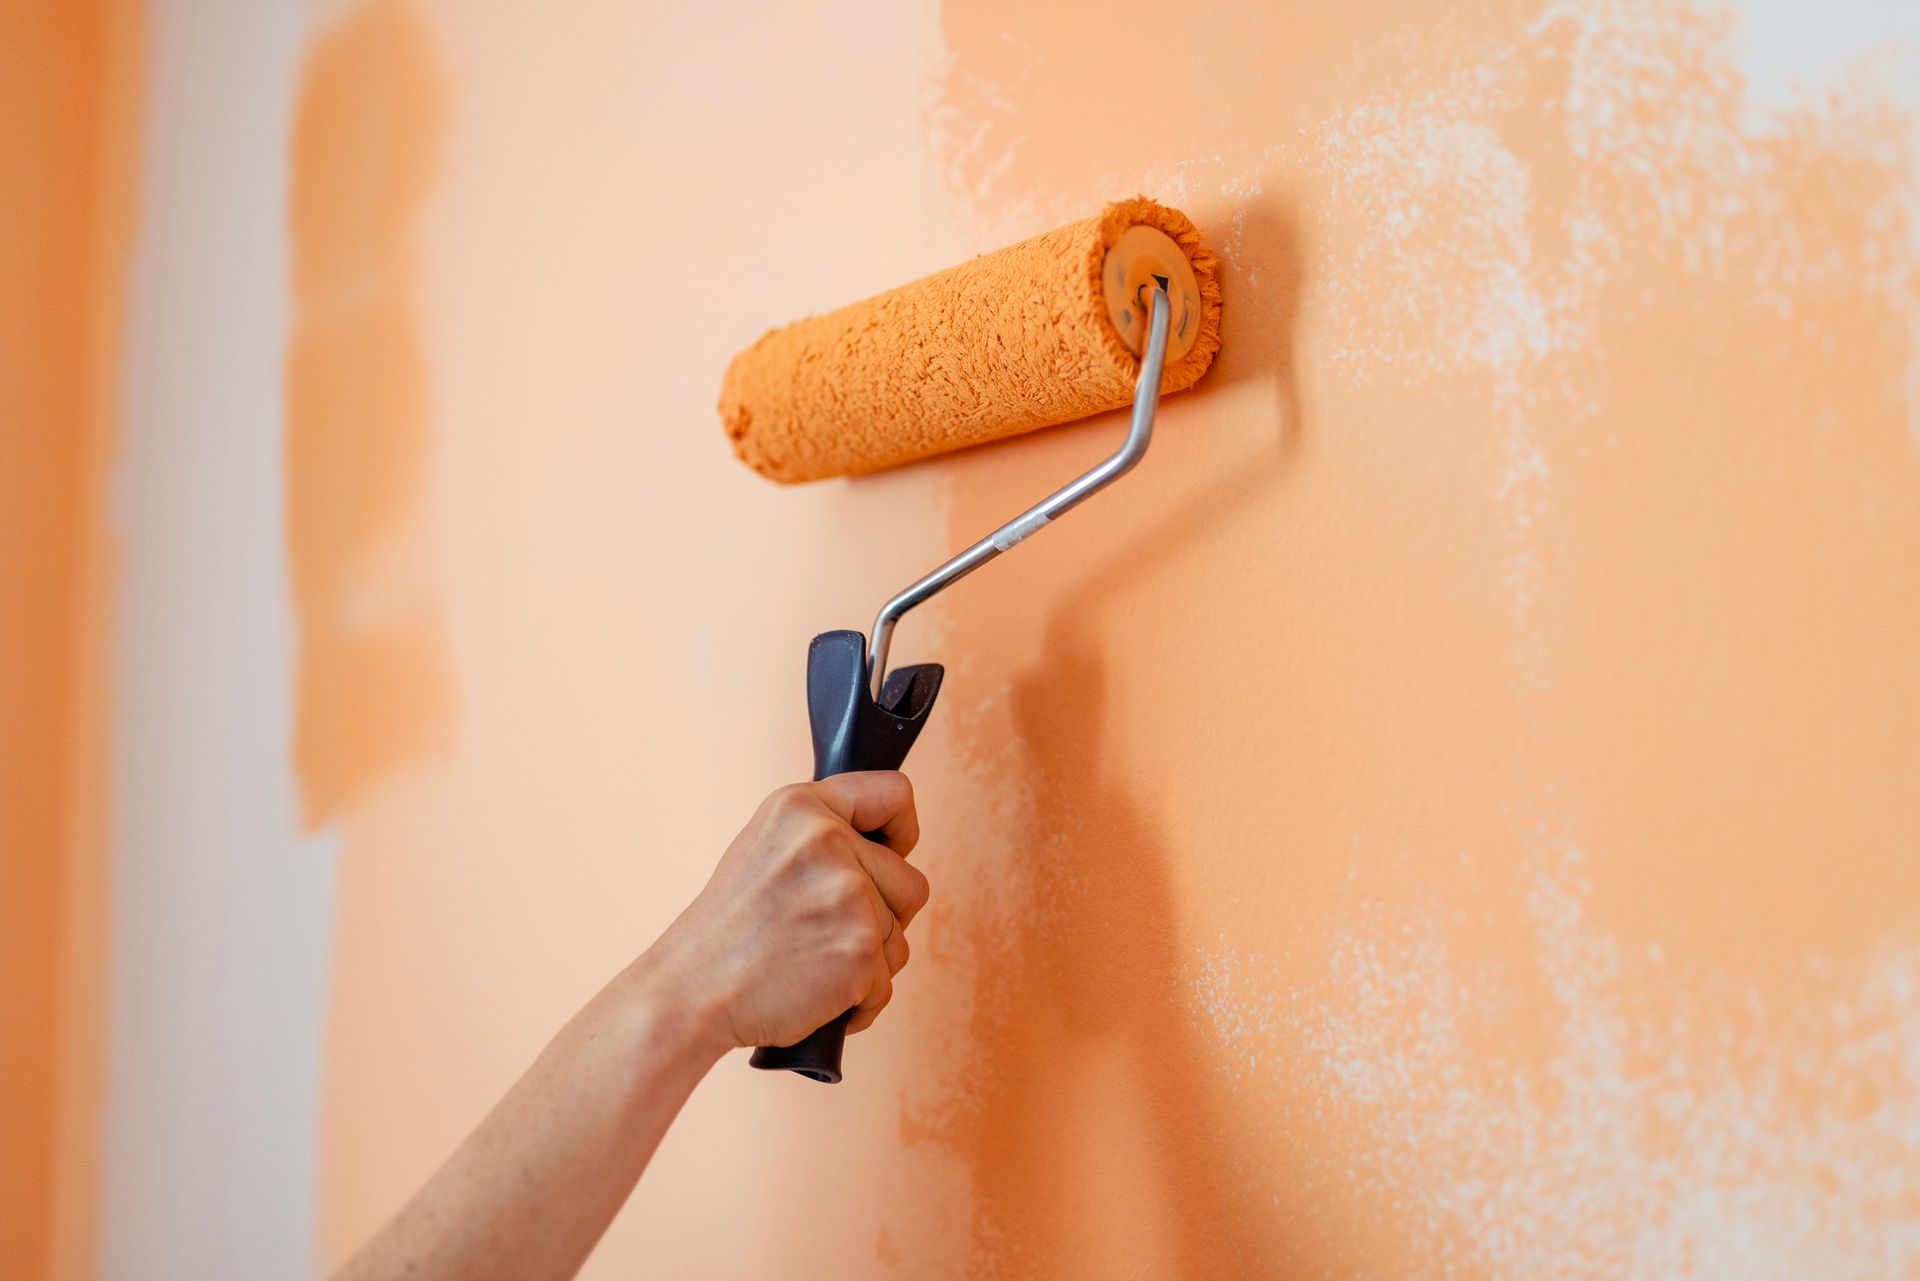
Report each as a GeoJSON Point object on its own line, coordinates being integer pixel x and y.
{"type": "Point", "coordinates": [1007, 343]}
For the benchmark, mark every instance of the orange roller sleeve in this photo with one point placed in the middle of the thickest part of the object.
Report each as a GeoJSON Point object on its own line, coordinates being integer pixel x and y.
{"type": "Point", "coordinates": [1034, 335]}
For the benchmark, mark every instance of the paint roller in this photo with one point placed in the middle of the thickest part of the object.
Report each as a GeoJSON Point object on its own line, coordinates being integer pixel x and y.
{"type": "Point", "coordinates": [1120, 307]}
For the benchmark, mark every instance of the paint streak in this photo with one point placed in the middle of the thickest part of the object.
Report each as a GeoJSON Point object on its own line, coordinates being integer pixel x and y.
{"type": "Point", "coordinates": [1491, 732]}
{"type": "Point", "coordinates": [374, 693]}
{"type": "Point", "coordinates": [74, 1247]}
{"type": "Point", "coordinates": [69, 124]}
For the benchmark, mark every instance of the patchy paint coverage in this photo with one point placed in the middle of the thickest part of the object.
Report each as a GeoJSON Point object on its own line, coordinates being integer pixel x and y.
{"type": "Point", "coordinates": [1450, 812]}
{"type": "Point", "coordinates": [1542, 744]}
{"type": "Point", "coordinates": [1717, 1131]}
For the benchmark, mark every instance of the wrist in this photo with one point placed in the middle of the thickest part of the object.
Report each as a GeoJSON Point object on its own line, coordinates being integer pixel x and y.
{"type": "Point", "coordinates": [673, 1013]}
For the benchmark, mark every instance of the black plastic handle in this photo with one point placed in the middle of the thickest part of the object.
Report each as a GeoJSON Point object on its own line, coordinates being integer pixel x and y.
{"type": "Point", "coordinates": [851, 732]}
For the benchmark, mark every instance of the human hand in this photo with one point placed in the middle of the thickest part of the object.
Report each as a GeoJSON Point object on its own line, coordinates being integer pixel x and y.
{"type": "Point", "coordinates": [804, 917]}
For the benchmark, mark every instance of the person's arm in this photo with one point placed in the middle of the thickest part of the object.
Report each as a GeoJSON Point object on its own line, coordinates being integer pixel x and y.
{"type": "Point", "coordinates": [803, 918]}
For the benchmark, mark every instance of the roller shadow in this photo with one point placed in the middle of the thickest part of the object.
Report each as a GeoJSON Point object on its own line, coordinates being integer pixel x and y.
{"type": "Point", "coordinates": [1089, 986]}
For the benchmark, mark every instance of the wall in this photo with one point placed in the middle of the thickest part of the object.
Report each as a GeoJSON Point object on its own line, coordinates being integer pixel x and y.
{"type": "Point", "coordinates": [67, 72]}
{"type": "Point", "coordinates": [47, 80]}
{"type": "Point", "coordinates": [1452, 811]}
{"type": "Point", "coordinates": [1454, 808]}
{"type": "Point", "coordinates": [221, 906]}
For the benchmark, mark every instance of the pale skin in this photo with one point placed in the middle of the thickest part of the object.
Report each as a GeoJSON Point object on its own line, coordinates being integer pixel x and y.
{"type": "Point", "coordinates": [803, 918]}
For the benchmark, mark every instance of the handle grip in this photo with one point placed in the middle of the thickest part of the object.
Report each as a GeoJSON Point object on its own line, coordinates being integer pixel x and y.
{"type": "Point", "coordinates": [851, 732]}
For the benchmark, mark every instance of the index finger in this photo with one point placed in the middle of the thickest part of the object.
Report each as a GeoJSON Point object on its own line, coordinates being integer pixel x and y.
{"type": "Point", "coordinates": [878, 804]}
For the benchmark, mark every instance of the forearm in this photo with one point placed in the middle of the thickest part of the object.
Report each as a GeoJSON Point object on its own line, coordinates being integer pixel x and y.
{"type": "Point", "coordinates": [804, 917]}
{"type": "Point", "coordinates": [531, 1190]}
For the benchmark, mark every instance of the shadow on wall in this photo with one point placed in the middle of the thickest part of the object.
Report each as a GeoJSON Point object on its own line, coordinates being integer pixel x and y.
{"type": "Point", "coordinates": [374, 690]}
{"type": "Point", "coordinates": [1093, 938]}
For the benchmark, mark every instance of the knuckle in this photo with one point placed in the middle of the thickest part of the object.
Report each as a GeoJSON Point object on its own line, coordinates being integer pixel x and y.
{"type": "Point", "coordinates": [825, 831]}
{"type": "Point", "coordinates": [812, 840]}
{"type": "Point", "coordinates": [867, 933]}
{"type": "Point", "coordinates": [855, 993]}
{"type": "Point", "coordinates": [791, 799]}
{"type": "Point", "coordinates": [848, 892]}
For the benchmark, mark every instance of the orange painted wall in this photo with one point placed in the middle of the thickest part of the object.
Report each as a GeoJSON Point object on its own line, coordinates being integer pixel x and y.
{"type": "Point", "coordinates": [41, 390]}
{"type": "Point", "coordinates": [1453, 811]}
{"type": "Point", "coordinates": [67, 76]}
